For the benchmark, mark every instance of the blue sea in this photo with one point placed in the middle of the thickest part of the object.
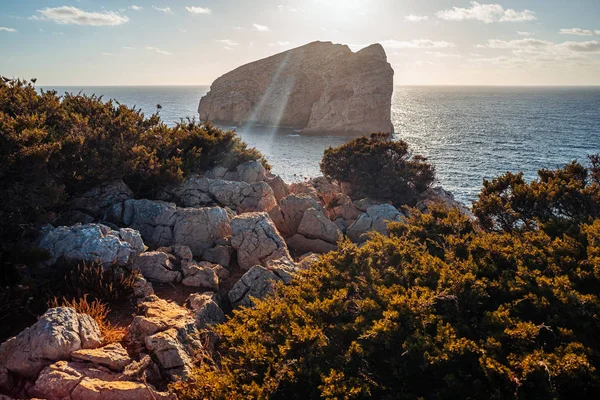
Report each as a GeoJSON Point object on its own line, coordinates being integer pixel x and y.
{"type": "Point", "coordinates": [468, 133]}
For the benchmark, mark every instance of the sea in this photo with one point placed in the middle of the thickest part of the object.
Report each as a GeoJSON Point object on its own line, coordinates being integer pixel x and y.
{"type": "Point", "coordinates": [469, 133]}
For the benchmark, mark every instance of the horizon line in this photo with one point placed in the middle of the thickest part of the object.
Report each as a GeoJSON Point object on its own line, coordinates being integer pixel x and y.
{"type": "Point", "coordinates": [395, 85]}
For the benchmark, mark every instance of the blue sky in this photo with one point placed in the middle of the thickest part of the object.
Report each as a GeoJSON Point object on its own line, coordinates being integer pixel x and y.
{"type": "Point", "coordinates": [133, 42]}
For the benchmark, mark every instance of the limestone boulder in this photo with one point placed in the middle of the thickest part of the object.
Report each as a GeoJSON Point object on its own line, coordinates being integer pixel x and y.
{"type": "Point", "coordinates": [206, 308]}
{"type": "Point", "coordinates": [57, 334]}
{"type": "Point", "coordinates": [251, 172]}
{"type": "Point", "coordinates": [318, 87]}
{"type": "Point", "coordinates": [157, 315]}
{"type": "Point", "coordinates": [157, 266]}
{"type": "Point", "coordinates": [220, 254]}
{"type": "Point", "coordinates": [288, 215]}
{"type": "Point", "coordinates": [279, 187]}
{"type": "Point", "coordinates": [97, 201]}
{"type": "Point", "coordinates": [256, 240]}
{"type": "Point", "coordinates": [301, 245]}
{"type": "Point", "coordinates": [375, 219]}
{"type": "Point", "coordinates": [112, 356]}
{"type": "Point", "coordinates": [141, 287]}
{"type": "Point", "coordinates": [174, 349]}
{"type": "Point", "coordinates": [92, 243]}
{"type": "Point", "coordinates": [315, 225]}
{"type": "Point", "coordinates": [96, 389]}
{"type": "Point", "coordinates": [202, 274]}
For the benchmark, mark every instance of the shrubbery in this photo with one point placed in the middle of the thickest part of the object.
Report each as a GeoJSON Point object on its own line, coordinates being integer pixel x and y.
{"type": "Point", "coordinates": [53, 148]}
{"type": "Point", "coordinates": [442, 309]}
{"type": "Point", "coordinates": [379, 167]}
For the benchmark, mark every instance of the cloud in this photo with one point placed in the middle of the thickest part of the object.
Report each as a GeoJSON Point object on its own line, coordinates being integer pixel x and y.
{"type": "Point", "coordinates": [423, 63]}
{"type": "Point", "coordinates": [128, 48]}
{"type": "Point", "coordinates": [108, 54]}
{"type": "Point", "coordinates": [417, 44]}
{"type": "Point", "coordinates": [283, 43]}
{"type": "Point", "coordinates": [166, 10]}
{"type": "Point", "coordinates": [579, 32]}
{"type": "Point", "coordinates": [289, 8]}
{"type": "Point", "coordinates": [238, 28]}
{"type": "Point", "coordinates": [135, 8]}
{"type": "Point", "coordinates": [261, 28]}
{"type": "Point", "coordinates": [5, 29]}
{"type": "Point", "coordinates": [586, 47]}
{"type": "Point", "coordinates": [157, 50]}
{"type": "Point", "coordinates": [515, 44]}
{"type": "Point", "coordinates": [228, 42]}
{"type": "Point", "coordinates": [520, 33]}
{"type": "Point", "coordinates": [439, 54]}
{"type": "Point", "coordinates": [199, 10]}
{"type": "Point", "coordinates": [487, 13]}
{"type": "Point", "coordinates": [416, 18]}
{"type": "Point", "coordinates": [72, 15]}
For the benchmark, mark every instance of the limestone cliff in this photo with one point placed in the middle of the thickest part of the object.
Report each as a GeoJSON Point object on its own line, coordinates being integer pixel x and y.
{"type": "Point", "coordinates": [318, 87]}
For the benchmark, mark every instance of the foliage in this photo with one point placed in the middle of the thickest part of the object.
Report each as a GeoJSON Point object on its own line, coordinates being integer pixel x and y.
{"type": "Point", "coordinates": [53, 148]}
{"type": "Point", "coordinates": [379, 167]}
{"type": "Point", "coordinates": [98, 311]}
{"type": "Point", "coordinates": [559, 200]}
{"type": "Point", "coordinates": [108, 285]}
{"type": "Point", "coordinates": [441, 309]}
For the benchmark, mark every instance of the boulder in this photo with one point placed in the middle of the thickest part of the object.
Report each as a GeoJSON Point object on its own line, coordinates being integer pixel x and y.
{"type": "Point", "coordinates": [288, 216]}
{"type": "Point", "coordinates": [260, 281]}
{"type": "Point", "coordinates": [163, 224]}
{"type": "Point", "coordinates": [220, 254]}
{"type": "Point", "coordinates": [156, 315]}
{"type": "Point", "coordinates": [157, 266]}
{"type": "Point", "coordinates": [300, 245]}
{"type": "Point", "coordinates": [315, 225]}
{"type": "Point", "coordinates": [438, 195]}
{"type": "Point", "coordinates": [256, 240]}
{"type": "Point", "coordinates": [97, 201]}
{"type": "Point", "coordinates": [141, 287]}
{"type": "Point", "coordinates": [58, 333]}
{"type": "Point", "coordinates": [375, 219]}
{"type": "Point", "coordinates": [174, 350]}
{"type": "Point", "coordinates": [280, 188]}
{"type": "Point", "coordinates": [93, 243]}
{"type": "Point", "coordinates": [304, 188]}
{"type": "Point", "coordinates": [251, 172]}
{"type": "Point", "coordinates": [343, 207]}
{"type": "Point", "coordinates": [207, 309]}
{"type": "Point", "coordinates": [318, 87]}
{"type": "Point", "coordinates": [201, 274]}
{"type": "Point", "coordinates": [112, 356]}
{"type": "Point", "coordinates": [96, 389]}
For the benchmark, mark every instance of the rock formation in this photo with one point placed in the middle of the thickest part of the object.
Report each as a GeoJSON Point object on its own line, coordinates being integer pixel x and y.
{"type": "Point", "coordinates": [318, 87]}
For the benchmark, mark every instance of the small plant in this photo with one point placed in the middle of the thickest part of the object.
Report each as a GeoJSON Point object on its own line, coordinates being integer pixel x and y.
{"type": "Point", "coordinates": [108, 285]}
{"type": "Point", "coordinates": [380, 167]}
{"type": "Point", "coordinates": [98, 311]}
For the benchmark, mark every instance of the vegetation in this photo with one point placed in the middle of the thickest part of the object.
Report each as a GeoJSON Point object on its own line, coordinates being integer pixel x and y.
{"type": "Point", "coordinates": [379, 167]}
{"type": "Point", "coordinates": [98, 311]}
{"type": "Point", "coordinates": [109, 285]}
{"type": "Point", "coordinates": [443, 308]}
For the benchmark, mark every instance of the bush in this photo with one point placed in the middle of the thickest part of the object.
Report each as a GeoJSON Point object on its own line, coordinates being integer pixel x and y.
{"type": "Point", "coordinates": [109, 285]}
{"type": "Point", "coordinates": [559, 200]}
{"type": "Point", "coordinates": [53, 148]}
{"type": "Point", "coordinates": [440, 309]}
{"type": "Point", "coordinates": [379, 167]}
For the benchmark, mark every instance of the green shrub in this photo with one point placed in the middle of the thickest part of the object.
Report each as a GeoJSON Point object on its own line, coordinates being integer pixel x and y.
{"type": "Point", "coordinates": [442, 309]}
{"type": "Point", "coordinates": [53, 148]}
{"type": "Point", "coordinates": [379, 167]}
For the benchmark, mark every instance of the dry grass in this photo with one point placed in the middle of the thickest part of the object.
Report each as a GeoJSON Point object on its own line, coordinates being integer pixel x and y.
{"type": "Point", "coordinates": [98, 311]}
{"type": "Point", "coordinates": [109, 285]}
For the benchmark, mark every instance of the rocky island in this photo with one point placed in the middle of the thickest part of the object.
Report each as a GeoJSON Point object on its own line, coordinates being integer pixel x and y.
{"type": "Point", "coordinates": [318, 87]}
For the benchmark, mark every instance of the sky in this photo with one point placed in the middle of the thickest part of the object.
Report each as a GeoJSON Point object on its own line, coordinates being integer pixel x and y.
{"type": "Point", "coordinates": [192, 42]}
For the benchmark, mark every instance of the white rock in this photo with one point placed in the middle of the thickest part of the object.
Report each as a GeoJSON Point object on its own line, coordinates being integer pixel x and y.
{"type": "Point", "coordinates": [375, 219]}
{"type": "Point", "coordinates": [157, 266]}
{"type": "Point", "coordinates": [315, 225]}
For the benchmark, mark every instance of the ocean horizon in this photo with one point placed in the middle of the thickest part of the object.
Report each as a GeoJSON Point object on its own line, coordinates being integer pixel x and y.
{"type": "Point", "coordinates": [469, 133]}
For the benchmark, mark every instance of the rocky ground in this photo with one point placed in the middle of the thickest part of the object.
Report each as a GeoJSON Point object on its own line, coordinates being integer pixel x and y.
{"type": "Point", "coordinates": [211, 244]}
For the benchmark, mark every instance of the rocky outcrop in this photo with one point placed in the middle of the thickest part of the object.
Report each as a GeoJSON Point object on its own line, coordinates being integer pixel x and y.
{"type": "Point", "coordinates": [290, 212]}
{"type": "Point", "coordinates": [92, 242]}
{"type": "Point", "coordinates": [58, 333]}
{"type": "Point", "coordinates": [97, 201]}
{"type": "Point", "coordinates": [376, 219]}
{"type": "Point", "coordinates": [112, 356]}
{"type": "Point", "coordinates": [164, 224]}
{"type": "Point", "coordinates": [256, 240]}
{"type": "Point", "coordinates": [198, 191]}
{"type": "Point", "coordinates": [157, 266]}
{"type": "Point", "coordinates": [319, 87]}
{"type": "Point", "coordinates": [316, 225]}
{"type": "Point", "coordinates": [438, 195]}
{"type": "Point", "coordinates": [207, 309]}
{"type": "Point", "coordinates": [202, 274]}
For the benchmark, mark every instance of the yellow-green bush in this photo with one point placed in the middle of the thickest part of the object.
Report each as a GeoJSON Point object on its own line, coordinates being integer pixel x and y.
{"type": "Point", "coordinates": [442, 309]}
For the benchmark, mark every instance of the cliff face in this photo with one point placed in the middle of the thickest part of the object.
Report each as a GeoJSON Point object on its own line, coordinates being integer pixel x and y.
{"type": "Point", "coordinates": [319, 87]}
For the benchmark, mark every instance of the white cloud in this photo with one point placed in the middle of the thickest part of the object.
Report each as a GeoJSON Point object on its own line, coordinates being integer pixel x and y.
{"type": "Point", "coordinates": [108, 54]}
{"type": "Point", "coordinates": [521, 33]}
{"type": "Point", "coordinates": [238, 28]}
{"type": "Point", "coordinates": [283, 43]}
{"type": "Point", "coordinates": [586, 47]}
{"type": "Point", "coordinates": [439, 54]}
{"type": "Point", "coordinates": [199, 10]}
{"type": "Point", "coordinates": [228, 42]}
{"type": "Point", "coordinates": [135, 8]}
{"type": "Point", "coordinates": [416, 18]}
{"type": "Point", "coordinates": [289, 8]}
{"type": "Point", "coordinates": [261, 28]}
{"type": "Point", "coordinates": [417, 44]}
{"type": "Point", "coordinates": [423, 63]}
{"type": "Point", "coordinates": [5, 29]}
{"type": "Point", "coordinates": [487, 13]}
{"type": "Point", "coordinates": [579, 32]}
{"type": "Point", "coordinates": [72, 15]}
{"type": "Point", "coordinates": [157, 50]}
{"type": "Point", "coordinates": [128, 48]}
{"type": "Point", "coordinates": [166, 10]}
{"type": "Point", "coordinates": [528, 43]}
